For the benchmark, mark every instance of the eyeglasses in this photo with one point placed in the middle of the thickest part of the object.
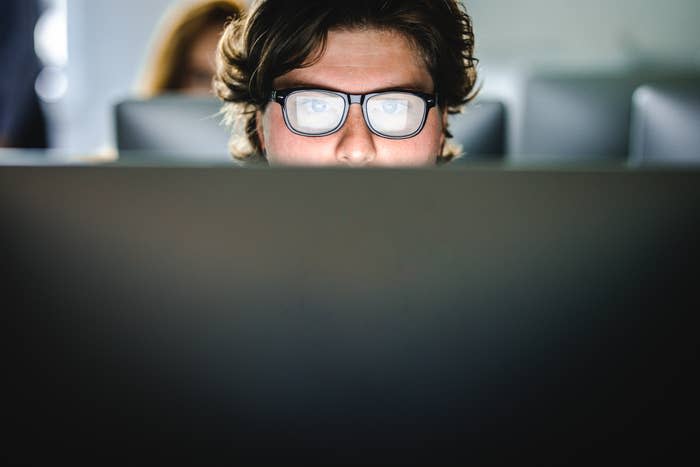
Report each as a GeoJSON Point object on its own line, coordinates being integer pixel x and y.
{"type": "Point", "coordinates": [319, 112]}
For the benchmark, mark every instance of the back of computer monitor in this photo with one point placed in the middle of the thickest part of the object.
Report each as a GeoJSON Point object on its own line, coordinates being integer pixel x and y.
{"type": "Point", "coordinates": [666, 125]}
{"type": "Point", "coordinates": [480, 130]}
{"type": "Point", "coordinates": [172, 127]}
{"type": "Point", "coordinates": [574, 117]}
{"type": "Point", "coordinates": [259, 317]}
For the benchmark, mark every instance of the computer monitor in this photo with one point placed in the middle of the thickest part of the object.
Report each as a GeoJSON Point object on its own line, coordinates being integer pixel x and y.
{"type": "Point", "coordinates": [665, 125]}
{"type": "Point", "coordinates": [582, 117]}
{"type": "Point", "coordinates": [480, 129]}
{"type": "Point", "coordinates": [343, 317]}
{"type": "Point", "coordinates": [172, 128]}
{"type": "Point", "coordinates": [575, 117]}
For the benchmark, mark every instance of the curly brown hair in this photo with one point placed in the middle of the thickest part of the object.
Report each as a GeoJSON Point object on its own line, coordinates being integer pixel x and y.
{"type": "Point", "coordinates": [277, 36]}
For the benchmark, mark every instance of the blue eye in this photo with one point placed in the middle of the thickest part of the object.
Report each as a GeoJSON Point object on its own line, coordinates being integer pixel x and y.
{"type": "Point", "coordinates": [319, 106]}
{"type": "Point", "coordinates": [389, 107]}
{"type": "Point", "coordinates": [315, 105]}
{"type": "Point", "coordinates": [393, 107]}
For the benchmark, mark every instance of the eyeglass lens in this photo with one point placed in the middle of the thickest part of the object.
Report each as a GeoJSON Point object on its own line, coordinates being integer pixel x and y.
{"type": "Point", "coordinates": [317, 112]}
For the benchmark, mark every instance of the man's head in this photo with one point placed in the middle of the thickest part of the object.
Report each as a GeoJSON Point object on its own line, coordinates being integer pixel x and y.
{"type": "Point", "coordinates": [363, 83]}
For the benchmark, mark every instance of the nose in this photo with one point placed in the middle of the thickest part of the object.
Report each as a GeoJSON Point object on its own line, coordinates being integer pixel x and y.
{"type": "Point", "coordinates": [356, 145]}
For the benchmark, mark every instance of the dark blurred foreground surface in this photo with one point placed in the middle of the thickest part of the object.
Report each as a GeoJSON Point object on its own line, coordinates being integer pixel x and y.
{"type": "Point", "coordinates": [341, 317]}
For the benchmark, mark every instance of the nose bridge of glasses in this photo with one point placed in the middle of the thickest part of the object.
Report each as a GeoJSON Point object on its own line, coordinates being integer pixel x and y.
{"type": "Point", "coordinates": [356, 98]}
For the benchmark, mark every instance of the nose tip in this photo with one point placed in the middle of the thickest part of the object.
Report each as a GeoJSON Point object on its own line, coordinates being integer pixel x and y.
{"type": "Point", "coordinates": [356, 147]}
{"type": "Point", "coordinates": [355, 158]}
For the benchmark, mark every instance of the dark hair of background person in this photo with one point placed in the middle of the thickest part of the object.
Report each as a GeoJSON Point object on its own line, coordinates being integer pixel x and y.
{"type": "Point", "coordinates": [168, 68]}
{"type": "Point", "coordinates": [278, 36]}
{"type": "Point", "coordinates": [22, 122]}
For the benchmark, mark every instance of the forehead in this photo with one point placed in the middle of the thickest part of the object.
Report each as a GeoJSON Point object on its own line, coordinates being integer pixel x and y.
{"type": "Point", "coordinates": [363, 60]}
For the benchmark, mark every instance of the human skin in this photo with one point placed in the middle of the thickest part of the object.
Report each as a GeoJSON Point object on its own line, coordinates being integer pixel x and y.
{"type": "Point", "coordinates": [357, 61]}
{"type": "Point", "coordinates": [200, 63]}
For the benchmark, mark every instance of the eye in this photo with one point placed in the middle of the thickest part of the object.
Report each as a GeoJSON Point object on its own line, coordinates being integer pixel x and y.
{"type": "Point", "coordinates": [390, 107]}
{"type": "Point", "coordinates": [315, 105]}
{"type": "Point", "coordinates": [393, 106]}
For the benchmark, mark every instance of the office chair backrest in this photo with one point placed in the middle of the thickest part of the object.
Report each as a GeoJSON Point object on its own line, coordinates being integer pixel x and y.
{"type": "Point", "coordinates": [480, 129]}
{"type": "Point", "coordinates": [666, 125]}
{"type": "Point", "coordinates": [172, 127]}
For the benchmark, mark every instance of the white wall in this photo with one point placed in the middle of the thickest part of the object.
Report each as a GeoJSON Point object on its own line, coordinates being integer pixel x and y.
{"type": "Point", "coordinates": [590, 32]}
{"type": "Point", "coordinates": [108, 41]}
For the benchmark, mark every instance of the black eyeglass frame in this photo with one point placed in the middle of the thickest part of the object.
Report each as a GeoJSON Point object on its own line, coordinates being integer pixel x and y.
{"type": "Point", "coordinates": [280, 96]}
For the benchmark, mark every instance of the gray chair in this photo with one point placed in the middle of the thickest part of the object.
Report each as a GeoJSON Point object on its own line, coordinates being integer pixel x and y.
{"type": "Point", "coordinates": [172, 128]}
{"type": "Point", "coordinates": [581, 118]}
{"type": "Point", "coordinates": [480, 129]}
{"type": "Point", "coordinates": [666, 125]}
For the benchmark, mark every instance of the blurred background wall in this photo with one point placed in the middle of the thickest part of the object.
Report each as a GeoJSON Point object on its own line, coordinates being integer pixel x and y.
{"type": "Point", "coordinates": [95, 49]}
{"type": "Point", "coordinates": [590, 33]}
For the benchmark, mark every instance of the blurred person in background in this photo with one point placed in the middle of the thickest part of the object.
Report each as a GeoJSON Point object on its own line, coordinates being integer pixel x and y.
{"type": "Point", "coordinates": [292, 71]}
{"type": "Point", "coordinates": [22, 122]}
{"type": "Point", "coordinates": [183, 57]}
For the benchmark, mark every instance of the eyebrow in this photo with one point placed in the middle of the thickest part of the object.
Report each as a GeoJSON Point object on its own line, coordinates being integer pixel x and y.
{"type": "Point", "coordinates": [309, 84]}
